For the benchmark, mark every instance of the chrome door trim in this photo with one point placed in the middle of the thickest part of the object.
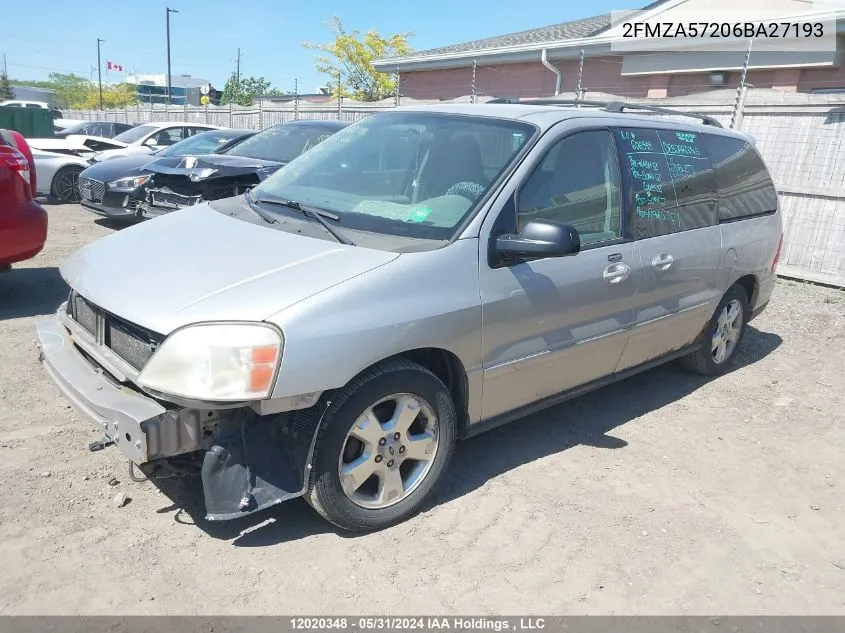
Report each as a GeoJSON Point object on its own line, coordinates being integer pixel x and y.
{"type": "Point", "coordinates": [697, 306]}
{"type": "Point", "coordinates": [515, 364]}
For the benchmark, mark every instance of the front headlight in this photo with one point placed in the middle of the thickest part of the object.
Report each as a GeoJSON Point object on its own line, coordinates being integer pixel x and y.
{"type": "Point", "coordinates": [128, 184]}
{"type": "Point", "coordinates": [216, 362]}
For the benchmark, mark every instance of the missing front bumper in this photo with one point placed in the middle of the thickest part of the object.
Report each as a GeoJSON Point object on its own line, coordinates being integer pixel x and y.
{"type": "Point", "coordinates": [123, 415]}
{"type": "Point", "coordinates": [249, 462]}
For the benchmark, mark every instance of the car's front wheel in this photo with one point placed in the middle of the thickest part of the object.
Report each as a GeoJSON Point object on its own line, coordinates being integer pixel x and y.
{"type": "Point", "coordinates": [383, 446]}
{"type": "Point", "coordinates": [65, 185]}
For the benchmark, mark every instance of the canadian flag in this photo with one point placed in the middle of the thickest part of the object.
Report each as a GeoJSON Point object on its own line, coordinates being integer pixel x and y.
{"type": "Point", "coordinates": [113, 66]}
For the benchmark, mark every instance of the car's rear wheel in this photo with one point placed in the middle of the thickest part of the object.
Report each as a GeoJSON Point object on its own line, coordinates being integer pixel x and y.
{"type": "Point", "coordinates": [383, 447]}
{"type": "Point", "coordinates": [65, 185]}
{"type": "Point", "coordinates": [719, 344]}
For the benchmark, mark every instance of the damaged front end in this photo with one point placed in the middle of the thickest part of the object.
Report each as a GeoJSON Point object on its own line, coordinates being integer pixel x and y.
{"type": "Point", "coordinates": [249, 456]}
{"type": "Point", "coordinates": [180, 182]}
{"type": "Point", "coordinates": [246, 462]}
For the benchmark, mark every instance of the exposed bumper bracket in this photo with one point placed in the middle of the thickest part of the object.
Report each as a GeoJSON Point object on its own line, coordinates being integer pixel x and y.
{"type": "Point", "coordinates": [100, 444]}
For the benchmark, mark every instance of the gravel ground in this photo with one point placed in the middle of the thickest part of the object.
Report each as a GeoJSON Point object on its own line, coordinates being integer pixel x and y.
{"type": "Point", "coordinates": [664, 494]}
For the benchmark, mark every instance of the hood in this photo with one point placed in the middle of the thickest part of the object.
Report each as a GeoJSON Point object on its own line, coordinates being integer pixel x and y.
{"type": "Point", "coordinates": [75, 144]}
{"type": "Point", "coordinates": [76, 141]}
{"type": "Point", "coordinates": [197, 264]}
{"type": "Point", "coordinates": [116, 168]}
{"type": "Point", "coordinates": [42, 156]}
{"type": "Point", "coordinates": [123, 150]}
{"type": "Point", "coordinates": [212, 166]}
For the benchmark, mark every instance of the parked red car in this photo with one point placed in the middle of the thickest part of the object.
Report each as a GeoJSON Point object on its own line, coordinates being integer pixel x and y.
{"type": "Point", "coordinates": [23, 222]}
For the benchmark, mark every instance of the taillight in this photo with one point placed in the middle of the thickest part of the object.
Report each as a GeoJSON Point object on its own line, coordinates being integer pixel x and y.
{"type": "Point", "coordinates": [16, 161]}
{"type": "Point", "coordinates": [777, 254]}
{"type": "Point", "coordinates": [24, 149]}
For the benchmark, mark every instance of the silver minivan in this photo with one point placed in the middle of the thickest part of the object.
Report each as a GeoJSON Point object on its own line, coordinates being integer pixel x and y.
{"type": "Point", "coordinates": [421, 276]}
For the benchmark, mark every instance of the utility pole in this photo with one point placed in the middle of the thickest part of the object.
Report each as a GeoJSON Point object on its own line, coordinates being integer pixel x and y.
{"type": "Point", "coordinates": [5, 70]}
{"type": "Point", "coordinates": [238, 76]}
{"type": "Point", "coordinates": [169, 83]}
{"type": "Point", "coordinates": [100, 71]}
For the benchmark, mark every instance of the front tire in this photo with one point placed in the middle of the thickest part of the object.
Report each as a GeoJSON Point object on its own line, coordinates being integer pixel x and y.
{"type": "Point", "coordinates": [65, 186]}
{"type": "Point", "coordinates": [717, 351]}
{"type": "Point", "coordinates": [383, 447]}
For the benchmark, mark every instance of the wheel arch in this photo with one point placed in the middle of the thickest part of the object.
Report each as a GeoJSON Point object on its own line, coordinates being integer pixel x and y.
{"type": "Point", "coordinates": [58, 172]}
{"type": "Point", "coordinates": [751, 285]}
{"type": "Point", "coordinates": [447, 366]}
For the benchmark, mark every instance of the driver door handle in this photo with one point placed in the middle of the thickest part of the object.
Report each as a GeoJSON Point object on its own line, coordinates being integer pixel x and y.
{"type": "Point", "coordinates": [616, 273]}
{"type": "Point", "coordinates": [662, 262]}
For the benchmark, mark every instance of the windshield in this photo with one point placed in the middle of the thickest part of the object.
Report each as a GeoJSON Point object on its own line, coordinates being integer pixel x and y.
{"type": "Point", "coordinates": [412, 174]}
{"type": "Point", "coordinates": [281, 143]}
{"type": "Point", "coordinates": [205, 143]}
{"type": "Point", "coordinates": [136, 133]}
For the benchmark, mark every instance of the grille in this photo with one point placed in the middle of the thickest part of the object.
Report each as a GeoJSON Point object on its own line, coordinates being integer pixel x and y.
{"type": "Point", "coordinates": [171, 200]}
{"type": "Point", "coordinates": [92, 190]}
{"type": "Point", "coordinates": [133, 344]}
{"type": "Point", "coordinates": [129, 343]}
{"type": "Point", "coordinates": [84, 314]}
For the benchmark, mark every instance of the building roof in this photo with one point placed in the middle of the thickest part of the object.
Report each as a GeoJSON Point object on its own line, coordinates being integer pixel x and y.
{"type": "Point", "coordinates": [559, 35]}
{"type": "Point", "coordinates": [574, 29]}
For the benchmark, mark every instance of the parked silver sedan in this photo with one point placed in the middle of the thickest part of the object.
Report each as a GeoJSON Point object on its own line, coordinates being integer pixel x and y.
{"type": "Point", "coordinates": [423, 275]}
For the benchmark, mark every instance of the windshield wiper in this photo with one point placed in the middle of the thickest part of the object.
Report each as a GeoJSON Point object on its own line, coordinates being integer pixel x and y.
{"type": "Point", "coordinates": [269, 218]}
{"type": "Point", "coordinates": [316, 214]}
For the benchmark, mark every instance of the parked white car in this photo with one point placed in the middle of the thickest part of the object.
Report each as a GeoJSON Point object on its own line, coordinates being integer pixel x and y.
{"type": "Point", "coordinates": [57, 175]}
{"type": "Point", "coordinates": [142, 139]}
{"type": "Point", "coordinates": [20, 103]}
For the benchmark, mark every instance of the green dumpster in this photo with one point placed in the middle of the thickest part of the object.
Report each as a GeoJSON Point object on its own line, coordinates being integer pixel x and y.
{"type": "Point", "coordinates": [31, 122]}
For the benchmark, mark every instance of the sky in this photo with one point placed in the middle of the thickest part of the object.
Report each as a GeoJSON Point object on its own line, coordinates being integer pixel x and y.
{"type": "Point", "coordinates": [44, 36]}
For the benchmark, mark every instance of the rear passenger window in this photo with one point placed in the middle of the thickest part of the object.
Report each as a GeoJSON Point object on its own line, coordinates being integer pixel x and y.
{"type": "Point", "coordinates": [745, 188]}
{"type": "Point", "coordinates": [671, 181]}
{"type": "Point", "coordinates": [577, 183]}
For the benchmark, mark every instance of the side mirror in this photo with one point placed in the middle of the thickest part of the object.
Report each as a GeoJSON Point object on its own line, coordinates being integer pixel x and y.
{"type": "Point", "coordinates": [540, 239]}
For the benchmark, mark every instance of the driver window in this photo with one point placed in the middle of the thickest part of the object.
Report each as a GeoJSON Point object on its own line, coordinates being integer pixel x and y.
{"type": "Point", "coordinates": [577, 183]}
{"type": "Point", "coordinates": [169, 136]}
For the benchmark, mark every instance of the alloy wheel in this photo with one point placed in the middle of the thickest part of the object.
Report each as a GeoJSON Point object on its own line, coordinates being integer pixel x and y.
{"type": "Point", "coordinates": [388, 451]}
{"type": "Point", "coordinates": [727, 331]}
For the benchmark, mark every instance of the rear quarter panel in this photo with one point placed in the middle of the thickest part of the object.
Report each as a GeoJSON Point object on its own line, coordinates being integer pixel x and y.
{"type": "Point", "coordinates": [748, 248]}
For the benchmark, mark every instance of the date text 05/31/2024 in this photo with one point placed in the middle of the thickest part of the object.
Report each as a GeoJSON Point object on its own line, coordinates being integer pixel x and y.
{"type": "Point", "coordinates": [427, 623]}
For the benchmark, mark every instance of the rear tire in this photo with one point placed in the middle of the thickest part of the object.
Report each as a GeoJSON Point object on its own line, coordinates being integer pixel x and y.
{"type": "Point", "coordinates": [390, 435]}
{"type": "Point", "coordinates": [716, 353]}
{"type": "Point", "coordinates": [65, 185]}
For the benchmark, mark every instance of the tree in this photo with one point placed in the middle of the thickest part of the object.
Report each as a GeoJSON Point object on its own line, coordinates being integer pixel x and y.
{"type": "Point", "coordinates": [348, 61]}
{"type": "Point", "coordinates": [71, 90]}
{"type": "Point", "coordinates": [32, 83]}
{"type": "Point", "coordinates": [244, 91]}
{"type": "Point", "coordinates": [6, 91]}
{"type": "Point", "coordinates": [117, 96]}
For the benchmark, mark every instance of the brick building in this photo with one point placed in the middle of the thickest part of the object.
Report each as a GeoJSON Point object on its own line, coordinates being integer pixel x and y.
{"type": "Point", "coordinates": [546, 60]}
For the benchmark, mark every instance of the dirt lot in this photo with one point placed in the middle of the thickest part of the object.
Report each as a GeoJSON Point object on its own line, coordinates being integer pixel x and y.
{"type": "Point", "coordinates": [664, 494]}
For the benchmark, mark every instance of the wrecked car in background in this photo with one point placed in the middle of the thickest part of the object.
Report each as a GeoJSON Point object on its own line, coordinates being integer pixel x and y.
{"type": "Point", "coordinates": [178, 182]}
{"type": "Point", "coordinates": [141, 139]}
{"type": "Point", "coordinates": [113, 187]}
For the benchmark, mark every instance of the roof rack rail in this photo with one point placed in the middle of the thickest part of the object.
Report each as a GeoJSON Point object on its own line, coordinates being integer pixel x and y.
{"type": "Point", "coordinates": [610, 106]}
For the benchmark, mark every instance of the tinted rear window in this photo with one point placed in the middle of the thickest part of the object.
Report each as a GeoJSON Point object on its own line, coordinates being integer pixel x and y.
{"type": "Point", "coordinates": [745, 188]}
